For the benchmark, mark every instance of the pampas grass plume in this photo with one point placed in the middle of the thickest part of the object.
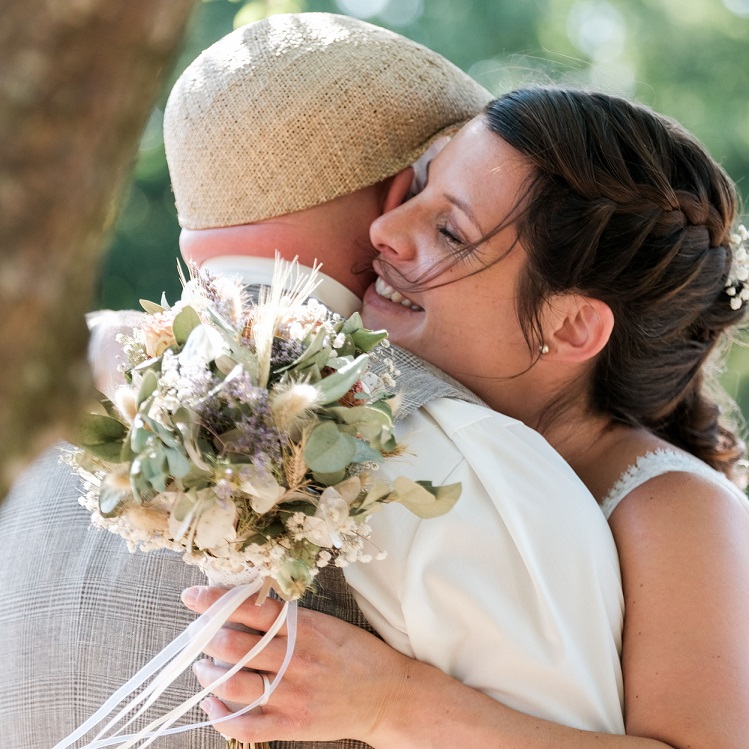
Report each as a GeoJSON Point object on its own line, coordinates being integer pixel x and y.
{"type": "Point", "coordinates": [291, 405]}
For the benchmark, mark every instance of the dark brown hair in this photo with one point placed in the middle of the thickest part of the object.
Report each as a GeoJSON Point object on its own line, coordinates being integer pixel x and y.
{"type": "Point", "coordinates": [627, 207]}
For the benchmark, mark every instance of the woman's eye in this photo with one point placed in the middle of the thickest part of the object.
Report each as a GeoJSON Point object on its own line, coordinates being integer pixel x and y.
{"type": "Point", "coordinates": [450, 237]}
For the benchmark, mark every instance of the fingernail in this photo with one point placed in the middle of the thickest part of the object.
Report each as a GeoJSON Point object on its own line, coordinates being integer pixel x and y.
{"type": "Point", "coordinates": [190, 596]}
{"type": "Point", "coordinates": [206, 706]}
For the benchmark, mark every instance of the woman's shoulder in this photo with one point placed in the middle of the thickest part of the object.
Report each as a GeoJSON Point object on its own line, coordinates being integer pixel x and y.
{"type": "Point", "coordinates": [678, 469]}
{"type": "Point", "coordinates": [677, 518]}
{"type": "Point", "coordinates": [682, 541]}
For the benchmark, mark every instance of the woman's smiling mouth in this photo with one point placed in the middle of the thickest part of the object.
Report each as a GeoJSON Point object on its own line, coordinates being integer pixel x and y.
{"type": "Point", "coordinates": [389, 293]}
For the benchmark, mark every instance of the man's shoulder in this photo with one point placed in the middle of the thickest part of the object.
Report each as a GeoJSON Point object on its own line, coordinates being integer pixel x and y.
{"type": "Point", "coordinates": [420, 382]}
{"type": "Point", "coordinates": [460, 420]}
{"type": "Point", "coordinates": [508, 457]}
{"type": "Point", "coordinates": [454, 414]}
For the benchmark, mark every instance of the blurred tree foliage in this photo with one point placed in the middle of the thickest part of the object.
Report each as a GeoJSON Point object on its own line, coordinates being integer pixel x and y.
{"type": "Point", "coordinates": [685, 58]}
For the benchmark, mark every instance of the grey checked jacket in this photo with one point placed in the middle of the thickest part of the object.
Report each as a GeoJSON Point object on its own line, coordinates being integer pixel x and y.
{"type": "Point", "coordinates": [81, 614]}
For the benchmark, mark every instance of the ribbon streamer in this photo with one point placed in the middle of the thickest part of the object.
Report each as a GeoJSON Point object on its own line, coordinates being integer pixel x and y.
{"type": "Point", "coordinates": [172, 661]}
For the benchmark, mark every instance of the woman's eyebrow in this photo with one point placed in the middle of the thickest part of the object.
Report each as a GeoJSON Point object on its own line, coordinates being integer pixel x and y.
{"type": "Point", "coordinates": [465, 208]}
{"type": "Point", "coordinates": [461, 205]}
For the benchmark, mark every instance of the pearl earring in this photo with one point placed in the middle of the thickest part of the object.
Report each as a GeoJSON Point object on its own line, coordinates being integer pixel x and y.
{"type": "Point", "coordinates": [543, 349]}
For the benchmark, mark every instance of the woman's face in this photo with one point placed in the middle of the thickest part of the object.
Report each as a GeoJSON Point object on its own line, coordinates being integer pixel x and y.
{"type": "Point", "coordinates": [463, 317]}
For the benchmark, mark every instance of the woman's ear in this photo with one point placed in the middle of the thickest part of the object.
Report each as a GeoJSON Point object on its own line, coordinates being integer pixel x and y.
{"type": "Point", "coordinates": [397, 189]}
{"type": "Point", "coordinates": [578, 327]}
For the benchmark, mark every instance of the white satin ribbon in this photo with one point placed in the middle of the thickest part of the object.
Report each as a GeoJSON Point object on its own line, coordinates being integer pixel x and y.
{"type": "Point", "coordinates": [167, 665]}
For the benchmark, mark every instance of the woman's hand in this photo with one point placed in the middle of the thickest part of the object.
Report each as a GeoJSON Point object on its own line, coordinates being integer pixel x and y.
{"type": "Point", "coordinates": [343, 682]}
{"type": "Point", "coordinates": [340, 683]}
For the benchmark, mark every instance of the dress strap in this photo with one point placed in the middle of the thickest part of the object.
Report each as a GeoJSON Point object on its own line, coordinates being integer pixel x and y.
{"type": "Point", "coordinates": [656, 463]}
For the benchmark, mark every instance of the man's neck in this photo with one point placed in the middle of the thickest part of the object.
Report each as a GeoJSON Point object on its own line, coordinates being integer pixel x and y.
{"type": "Point", "coordinates": [259, 270]}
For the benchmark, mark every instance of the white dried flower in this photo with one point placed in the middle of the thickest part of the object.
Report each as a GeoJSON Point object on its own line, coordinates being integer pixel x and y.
{"type": "Point", "coordinates": [736, 284]}
{"type": "Point", "coordinates": [323, 558]}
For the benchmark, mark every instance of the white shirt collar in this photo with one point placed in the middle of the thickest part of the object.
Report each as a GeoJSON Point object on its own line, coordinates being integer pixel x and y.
{"type": "Point", "coordinates": [259, 270]}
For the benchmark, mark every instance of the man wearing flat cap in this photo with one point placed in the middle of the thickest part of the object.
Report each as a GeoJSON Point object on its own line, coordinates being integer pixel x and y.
{"type": "Point", "coordinates": [293, 134]}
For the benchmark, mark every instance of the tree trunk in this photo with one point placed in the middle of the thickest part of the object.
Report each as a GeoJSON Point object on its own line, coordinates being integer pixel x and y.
{"type": "Point", "coordinates": [77, 81]}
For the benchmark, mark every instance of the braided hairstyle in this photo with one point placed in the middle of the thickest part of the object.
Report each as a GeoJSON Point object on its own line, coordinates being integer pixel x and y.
{"type": "Point", "coordinates": [627, 207]}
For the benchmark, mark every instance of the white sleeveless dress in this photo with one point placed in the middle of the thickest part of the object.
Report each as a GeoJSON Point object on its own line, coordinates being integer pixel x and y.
{"type": "Point", "coordinates": [656, 463]}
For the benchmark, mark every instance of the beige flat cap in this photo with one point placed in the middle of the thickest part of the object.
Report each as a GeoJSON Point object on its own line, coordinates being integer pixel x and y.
{"type": "Point", "coordinates": [298, 109]}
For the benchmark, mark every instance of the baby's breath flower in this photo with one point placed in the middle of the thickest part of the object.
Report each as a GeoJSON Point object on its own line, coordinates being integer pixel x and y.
{"type": "Point", "coordinates": [323, 558]}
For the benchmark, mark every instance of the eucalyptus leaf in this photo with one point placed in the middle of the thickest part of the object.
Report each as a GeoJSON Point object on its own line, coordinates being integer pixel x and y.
{"type": "Point", "coordinates": [322, 357]}
{"type": "Point", "coordinates": [187, 424]}
{"type": "Point", "coordinates": [369, 421]}
{"type": "Point", "coordinates": [225, 364]}
{"type": "Point", "coordinates": [179, 465]}
{"type": "Point", "coordinates": [109, 451]}
{"type": "Point", "coordinates": [140, 435]}
{"type": "Point", "coordinates": [138, 485]}
{"type": "Point", "coordinates": [329, 479]}
{"type": "Point", "coordinates": [126, 451]}
{"type": "Point", "coordinates": [101, 436]}
{"type": "Point", "coordinates": [155, 476]}
{"type": "Point", "coordinates": [348, 347]}
{"type": "Point", "coordinates": [148, 385]}
{"type": "Point", "coordinates": [248, 359]}
{"type": "Point", "coordinates": [388, 443]}
{"type": "Point", "coordinates": [367, 340]}
{"type": "Point", "coordinates": [151, 307]}
{"type": "Point", "coordinates": [423, 499]}
{"type": "Point", "coordinates": [383, 406]}
{"type": "Point", "coordinates": [185, 321]}
{"type": "Point", "coordinates": [366, 454]}
{"type": "Point", "coordinates": [335, 386]}
{"type": "Point", "coordinates": [379, 493]}
{"type": "Point", "coordinates": [353, 324]}
{"type": "Point", "coordinates": [96, 429]}
{"type": "Point", "coordinates": [309, 372]}
{"type": "Point", "coordinates": [166, 435]}
{"type": "Point", "coordinates": [337, 362]}
{"type": "Point", "coordinates": [311, 351]}
{"type": "Point", "coordinates": [305, 507]}
{"type": "Point", "coordinates": [216, 525]}
{"type": "Point", "coordinates": [328, 450]}
{"type": "Point", "coordinates": [446, 493]}
{"type": "Point", "coordinates": [221, 323]}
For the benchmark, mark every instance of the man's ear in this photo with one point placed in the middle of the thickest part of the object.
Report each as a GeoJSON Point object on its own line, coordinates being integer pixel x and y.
{"type": "Point", "coordinates": [397, 188]}
{"type": "Point", "coordinates": [578, 327]}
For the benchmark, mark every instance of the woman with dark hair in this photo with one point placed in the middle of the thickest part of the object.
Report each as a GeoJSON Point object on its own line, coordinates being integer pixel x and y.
{"type": "Point", "coordinates": [573, 260]}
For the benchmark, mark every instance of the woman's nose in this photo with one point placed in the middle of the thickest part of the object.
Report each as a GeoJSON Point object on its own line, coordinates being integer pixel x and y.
{"type": "Point", "coordinates": [393, 234]}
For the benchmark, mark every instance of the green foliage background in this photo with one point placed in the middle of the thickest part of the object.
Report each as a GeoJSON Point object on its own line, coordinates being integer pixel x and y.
{"type": "Point", "coordinates": [685, 58]}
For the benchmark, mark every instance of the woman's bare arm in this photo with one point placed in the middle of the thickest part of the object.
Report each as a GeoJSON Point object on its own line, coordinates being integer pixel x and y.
{"type": "Point", "coordinates": [685, 567]}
